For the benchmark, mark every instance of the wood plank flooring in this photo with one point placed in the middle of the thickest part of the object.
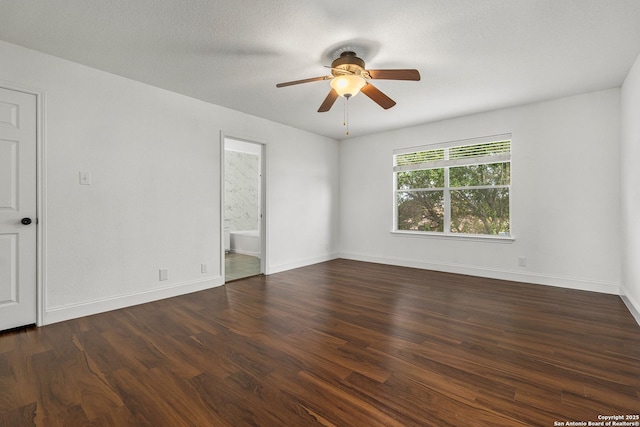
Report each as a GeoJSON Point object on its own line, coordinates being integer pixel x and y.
{"type": "Point", "coordinates": [341, 343]}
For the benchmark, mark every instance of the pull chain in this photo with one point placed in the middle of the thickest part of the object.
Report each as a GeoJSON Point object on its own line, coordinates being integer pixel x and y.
{"type": "Point", "coordinates": [346, 114]}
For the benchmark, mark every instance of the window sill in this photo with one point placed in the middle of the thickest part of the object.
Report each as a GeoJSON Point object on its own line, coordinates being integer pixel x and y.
{"type": "Point", "coordinates": [468, 237]}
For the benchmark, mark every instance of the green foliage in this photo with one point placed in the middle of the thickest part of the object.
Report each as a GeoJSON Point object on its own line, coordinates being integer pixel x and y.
{"type": "Point", "coordinates": [421, 211]}
{"type": "Point", "coordinates": [473, 175]}
{"type": "Point", "coordinates": [426, 178]}
{"type": "Point", "coordinates": [473, 210]}
{"type": "Point", "coordinates": [484, 211]}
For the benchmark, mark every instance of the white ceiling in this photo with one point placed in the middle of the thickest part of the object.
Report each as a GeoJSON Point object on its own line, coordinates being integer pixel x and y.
{"type": "Point", "coordinates": [473, 55]}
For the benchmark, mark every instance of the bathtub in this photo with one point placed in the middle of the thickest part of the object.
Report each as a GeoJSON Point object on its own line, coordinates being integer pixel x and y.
{"type": "Point", "coordinates": [245, 242]}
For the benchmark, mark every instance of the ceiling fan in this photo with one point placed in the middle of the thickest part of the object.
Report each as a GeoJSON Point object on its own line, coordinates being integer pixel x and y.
{"type": "Point", "coordinates": [349, 76]}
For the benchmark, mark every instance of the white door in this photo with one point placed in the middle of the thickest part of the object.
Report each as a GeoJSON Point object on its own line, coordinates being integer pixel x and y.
{"type": "Point", "coordinates": [17, 209]}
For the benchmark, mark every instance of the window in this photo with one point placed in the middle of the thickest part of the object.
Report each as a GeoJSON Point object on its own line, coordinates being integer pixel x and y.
{"type": "Point", "coordinates": [459, 187]}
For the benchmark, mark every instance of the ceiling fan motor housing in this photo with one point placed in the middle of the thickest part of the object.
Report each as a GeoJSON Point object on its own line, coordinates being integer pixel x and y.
{"type": "Point", "coordinates": [349, 62]}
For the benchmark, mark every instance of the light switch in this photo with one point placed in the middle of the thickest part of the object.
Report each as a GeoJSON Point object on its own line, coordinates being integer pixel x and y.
{"type": "Point", "coordinates": [85, 178]}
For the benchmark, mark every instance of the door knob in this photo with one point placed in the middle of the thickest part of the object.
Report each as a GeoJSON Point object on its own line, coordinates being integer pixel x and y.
{"type": "Point", "coordinates": [26, 221]}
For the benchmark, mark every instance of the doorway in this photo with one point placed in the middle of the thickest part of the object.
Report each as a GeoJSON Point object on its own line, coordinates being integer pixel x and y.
{"type": "Point", "coordinates": [243, 201]}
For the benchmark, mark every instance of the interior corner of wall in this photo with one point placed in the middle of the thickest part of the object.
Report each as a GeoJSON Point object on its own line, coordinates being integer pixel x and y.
{"type": "Point", "coordinates": [632, 304]}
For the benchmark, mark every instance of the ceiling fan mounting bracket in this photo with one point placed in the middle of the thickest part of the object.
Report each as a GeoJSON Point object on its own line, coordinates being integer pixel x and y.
{"type": "Point", "coordinates": [366, 49]}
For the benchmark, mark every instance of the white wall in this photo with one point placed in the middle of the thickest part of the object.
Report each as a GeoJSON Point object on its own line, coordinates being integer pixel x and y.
{"type": "Point", "coordinates": [630, 171]}
{"type": "Point", "coordinates": [154, 202]}
{"type": "Point", "coordinates": [153, 154]}
{"type": "Point", "coordinates": [565, 196]}
{"type": "Point", "coordinates": [302, 201]}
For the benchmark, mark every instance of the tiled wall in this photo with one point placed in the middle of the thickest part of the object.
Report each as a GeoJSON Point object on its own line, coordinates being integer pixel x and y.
{"type": "Point", "coordinates": [242, 190]}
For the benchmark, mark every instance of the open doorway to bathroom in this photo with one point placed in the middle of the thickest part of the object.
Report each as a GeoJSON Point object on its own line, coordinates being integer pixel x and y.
{"type": "Point", "coordinates": [243, 208]}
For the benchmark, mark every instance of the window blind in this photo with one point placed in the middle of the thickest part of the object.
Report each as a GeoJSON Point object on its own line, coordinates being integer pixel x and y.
{"type": "Point", "coordinates": [496, 150]}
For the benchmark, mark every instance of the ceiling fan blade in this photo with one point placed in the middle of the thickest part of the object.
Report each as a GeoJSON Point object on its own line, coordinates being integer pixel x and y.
{"type": "Point", "coordinates": [395, 74]}
{"type": "Point", "coordinates": [377, 96]}
{"type": "Point", "coordinates": [328, 101]}
{"type": "Point", "coordinates": [297, 82]}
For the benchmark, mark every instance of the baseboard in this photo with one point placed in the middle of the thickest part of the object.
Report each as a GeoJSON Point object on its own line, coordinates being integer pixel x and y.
{"type": "Point", "coordinates": [631, 303]}
{"type": "Point", "coordinates": [272, 269]}
{"type": "Point", "coordinates": [516, 276]}
{"type": "Point", "coordinates": [74, 311]}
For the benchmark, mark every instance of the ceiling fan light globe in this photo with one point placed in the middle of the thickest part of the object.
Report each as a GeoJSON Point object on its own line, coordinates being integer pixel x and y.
{"type": "Point", "coordinates": [347, 85]}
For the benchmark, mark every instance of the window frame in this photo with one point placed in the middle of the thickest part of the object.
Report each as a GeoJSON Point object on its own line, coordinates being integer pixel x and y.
{"type": "Point", "coordinates": [446, 164]}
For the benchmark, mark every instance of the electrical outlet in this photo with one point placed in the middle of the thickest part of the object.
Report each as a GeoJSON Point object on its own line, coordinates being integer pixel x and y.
{"type": "Point", "coordinates": [522, 261]}
{"type": "Point", "coordinates": [164, 274]}
{"type": "Point", "coordinates": [203, 268]}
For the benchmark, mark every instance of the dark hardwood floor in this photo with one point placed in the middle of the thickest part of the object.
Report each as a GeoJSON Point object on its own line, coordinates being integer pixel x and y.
{"type": "Point", "coordinates": [341, 343]}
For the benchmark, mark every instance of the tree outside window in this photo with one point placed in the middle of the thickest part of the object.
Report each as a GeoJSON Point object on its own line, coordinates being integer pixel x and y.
{"type": "Point", "coordinates": [458, 189]}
